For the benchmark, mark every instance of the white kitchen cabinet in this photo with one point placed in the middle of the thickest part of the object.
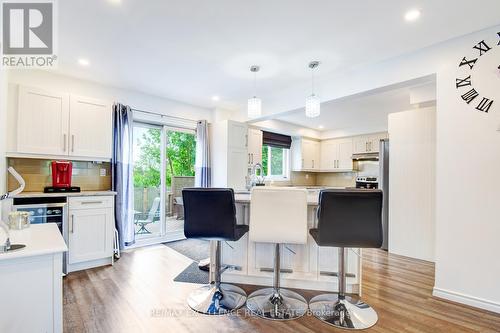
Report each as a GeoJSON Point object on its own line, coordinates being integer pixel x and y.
{"type": "Point", "coordinates": [254, 146]}
{"type": "Point", "coordinates": [336, 155]}
{"type": "Point", "coordinates": [42, 122]}
{"type": "Point", "coordinates": [90, 127]}
{"type": "Point", "coordinates": [229, 147]}
{"type": "Point", "coordinates": [368, 143]}
{"type": "Point", "coordinates": [60, 124]}
{"type": "Point", "coordinates": [305, 155]}
{"type": "Point", "coordinates": [91, 230]}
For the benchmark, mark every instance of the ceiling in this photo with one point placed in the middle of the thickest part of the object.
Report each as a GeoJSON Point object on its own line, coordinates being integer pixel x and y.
{"type": "Point", "coordinates": [363, 113]}
{"type": "Point", "coordinates": [190, 50]}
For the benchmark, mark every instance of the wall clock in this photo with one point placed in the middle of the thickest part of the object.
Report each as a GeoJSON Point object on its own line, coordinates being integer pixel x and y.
{"type": "Point", "coordinates": [479, 74]}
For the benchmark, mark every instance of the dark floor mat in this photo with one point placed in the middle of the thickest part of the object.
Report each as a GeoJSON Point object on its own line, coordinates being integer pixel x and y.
{"type": "Point", "coordinates": [196, 250]}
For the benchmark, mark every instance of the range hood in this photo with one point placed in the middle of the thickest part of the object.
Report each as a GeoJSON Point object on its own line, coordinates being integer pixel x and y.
{"type": "Point", "coordinates": [365, 157]}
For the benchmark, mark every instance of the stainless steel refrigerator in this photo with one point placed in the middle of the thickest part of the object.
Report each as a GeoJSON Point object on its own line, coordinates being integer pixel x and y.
{"type": "Point", "coordinates": [383, 183]}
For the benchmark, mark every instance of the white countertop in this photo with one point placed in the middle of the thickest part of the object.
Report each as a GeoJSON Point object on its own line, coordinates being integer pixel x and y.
{"type": "Point", "coordinates": [72, 194]}
{"type": "Point", "coordinates": [40, 239]}
{"type": "Point", "coordinates": [244, 198]}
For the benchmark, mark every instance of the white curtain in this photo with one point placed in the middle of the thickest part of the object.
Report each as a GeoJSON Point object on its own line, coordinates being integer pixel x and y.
{"type": "Point", "coordinates": [203, 171]}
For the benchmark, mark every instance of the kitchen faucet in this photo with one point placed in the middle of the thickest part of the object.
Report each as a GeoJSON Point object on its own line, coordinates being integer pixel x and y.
{"type": "Point", "coordinates": [255, 179]}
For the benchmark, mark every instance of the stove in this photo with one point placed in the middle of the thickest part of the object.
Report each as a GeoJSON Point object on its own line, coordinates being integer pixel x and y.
{"type": "Point", "coordinates": [367, 182]}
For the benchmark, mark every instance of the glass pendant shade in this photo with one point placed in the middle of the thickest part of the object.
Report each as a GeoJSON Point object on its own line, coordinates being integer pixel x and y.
{"type": "Point", "coordinates": [254, 107]}
{"type": "Point", "coordinates": [313, 108]}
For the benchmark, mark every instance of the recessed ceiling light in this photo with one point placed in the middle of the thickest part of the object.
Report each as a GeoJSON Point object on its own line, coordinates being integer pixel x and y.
{"type": "Point", "coordinates": [83, 62]}
{"type": "Point", "coordinates": [321, 126]}
{"type": "Point", "coordinates": [412, 15]}
{"type": "Point", "coordinates": [215, 98]}
{"type": "Point", "coordinates": [115, 2]}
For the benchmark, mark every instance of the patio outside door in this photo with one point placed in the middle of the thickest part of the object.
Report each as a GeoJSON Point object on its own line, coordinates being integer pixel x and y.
{"type": "Point", "coordinates": [163, 166]}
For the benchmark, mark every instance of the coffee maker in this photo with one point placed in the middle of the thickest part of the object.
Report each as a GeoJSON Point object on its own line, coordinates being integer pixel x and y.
{"type": "Point", "coordinates": [62, 172]}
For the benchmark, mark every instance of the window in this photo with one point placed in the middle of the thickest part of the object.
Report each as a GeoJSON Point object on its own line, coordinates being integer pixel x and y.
{"type": "Point", "coordinates": [275, 162]}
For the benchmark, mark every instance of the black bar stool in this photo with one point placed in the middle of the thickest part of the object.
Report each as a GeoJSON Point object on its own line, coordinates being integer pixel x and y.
{"type": "Point", "coordinates": [347, 218]}
{"type": "Point", "coordinates": [210, 213]}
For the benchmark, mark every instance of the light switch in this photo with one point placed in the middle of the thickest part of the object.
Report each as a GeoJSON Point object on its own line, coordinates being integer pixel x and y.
{"type": "Point", "coordinates": [102, 172]}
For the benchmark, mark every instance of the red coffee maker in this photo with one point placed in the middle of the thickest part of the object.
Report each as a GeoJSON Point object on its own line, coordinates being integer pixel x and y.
{"type": "Point", "coordinates": [61, 173]}
{"type": "Point", "coordinates": [61, 178]}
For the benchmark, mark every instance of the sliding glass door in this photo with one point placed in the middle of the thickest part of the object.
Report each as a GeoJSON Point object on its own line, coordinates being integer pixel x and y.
{"type": "Point", "coordinates": [164, 160]}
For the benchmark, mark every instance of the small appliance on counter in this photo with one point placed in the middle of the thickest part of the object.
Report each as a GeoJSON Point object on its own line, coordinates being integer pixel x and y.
{"type": "Point", "coordinates": [62, 172]}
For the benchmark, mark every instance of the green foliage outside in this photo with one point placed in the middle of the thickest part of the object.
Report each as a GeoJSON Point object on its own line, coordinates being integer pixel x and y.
{"type": "Point", "coordinates": [180, 154]}
{"type": "Point", "coordinates": [276, 160]}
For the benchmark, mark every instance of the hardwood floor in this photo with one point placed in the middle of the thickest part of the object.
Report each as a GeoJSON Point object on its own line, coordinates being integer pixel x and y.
{"type": "Point", "coordinates": [138, 294]}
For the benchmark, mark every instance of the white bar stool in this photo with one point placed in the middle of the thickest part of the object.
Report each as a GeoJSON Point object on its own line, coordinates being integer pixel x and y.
{"type": "Point", "coordinates": [278, 215]}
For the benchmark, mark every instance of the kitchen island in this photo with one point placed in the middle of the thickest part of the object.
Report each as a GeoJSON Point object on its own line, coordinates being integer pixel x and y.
{"type": "Point", "coordinates": [31, 280]}
{"type": "Point", "coordinates": [305, 266]}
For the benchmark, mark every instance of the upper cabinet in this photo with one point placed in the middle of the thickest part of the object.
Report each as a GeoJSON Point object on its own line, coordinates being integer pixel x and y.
{"type": "Point", "coordinates": [305, 155]}
{"type": "Point", "coordinates": [90, 127]}
{"type": "Point", "coordinates": [254, 146]}
{"type": "Point", "coordinates": [368, 143]}
{"type": "Point", "coordinates": [42, 122]}
{"type": "Point", "coordinates": [336, 155]}
{"type": "Point", "coordinates": [53, 123]}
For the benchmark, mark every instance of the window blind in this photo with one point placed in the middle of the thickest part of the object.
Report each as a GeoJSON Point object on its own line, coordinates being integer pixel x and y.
{"type": "Point", "coordinates": [276, 140]}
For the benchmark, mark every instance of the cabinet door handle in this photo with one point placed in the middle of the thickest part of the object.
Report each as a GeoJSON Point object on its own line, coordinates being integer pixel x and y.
{"type": "Point", "coordinates": [252, 158]}
{"type": "Point", "coordinates": [72, 224]}
{"type": "Point", "coordinates": [72, 143]}
{"type": "Point", "coordinates": [313, 164]}
{"type": "Point", "coordinates": [302, 163]}
{"type": "Point", "coordinates": [248, 158]}
{"type": "Point", "coordinates": [65, 142]}
{"type": "Point", "coordinates": [366, 146]}
{"type": "Point", "coordinates": [91, 202]}
{"type": "Point", "coordinates": [246, 140]}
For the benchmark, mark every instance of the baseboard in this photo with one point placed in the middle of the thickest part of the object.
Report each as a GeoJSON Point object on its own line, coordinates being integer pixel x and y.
{"type": "Point", "coordinates": [466, 299]}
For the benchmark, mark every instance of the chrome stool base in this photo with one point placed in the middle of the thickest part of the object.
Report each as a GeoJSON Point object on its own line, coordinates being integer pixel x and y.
{"type": "Point", "coordinates": [343, 313]}
{"type": "Point", "coordinates": [217, 301]}
{"type": "Point", "coordinates": [286, 304]}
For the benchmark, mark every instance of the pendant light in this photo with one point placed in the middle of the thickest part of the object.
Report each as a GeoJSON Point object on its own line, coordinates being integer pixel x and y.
{"type": "Point", "coordinates": [254, 103]}
{"type": "Point", "coordinates": [313, 104]}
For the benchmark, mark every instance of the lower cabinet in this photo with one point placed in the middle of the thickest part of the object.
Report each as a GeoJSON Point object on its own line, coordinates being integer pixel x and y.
{"type": "Point", "coordinates": [90, 232]}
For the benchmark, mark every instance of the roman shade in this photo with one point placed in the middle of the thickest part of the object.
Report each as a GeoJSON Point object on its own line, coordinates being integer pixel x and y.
{"type": "Point", "coordinates": [276, 140]}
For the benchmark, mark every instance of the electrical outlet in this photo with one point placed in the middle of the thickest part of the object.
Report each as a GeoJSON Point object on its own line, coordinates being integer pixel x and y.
{"type": "Point", "coordinates": [102, 172]}
{"type": "Point", "coordinates": [307, 176]}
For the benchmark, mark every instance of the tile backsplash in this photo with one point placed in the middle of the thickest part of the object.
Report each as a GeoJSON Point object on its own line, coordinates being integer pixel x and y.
{"type": "Point", "coordinates": [37, 174]}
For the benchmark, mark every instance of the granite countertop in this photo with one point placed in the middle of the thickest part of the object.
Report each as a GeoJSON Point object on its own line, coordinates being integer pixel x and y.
{"type": "Point", "coordinates": [73, 194]}
{"type": "Point", "coordinates": [40, 239]}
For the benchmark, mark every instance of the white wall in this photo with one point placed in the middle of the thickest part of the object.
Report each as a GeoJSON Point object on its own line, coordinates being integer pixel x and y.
{"type": "Point", "coordinates": [51, 81]}
{"type": "Point", "coordinates": [412, 187]}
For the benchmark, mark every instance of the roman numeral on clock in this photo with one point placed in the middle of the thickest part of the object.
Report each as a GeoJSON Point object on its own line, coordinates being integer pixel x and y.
{"type": "Point", "coordinates": [470, 95]}
{"type": "Point", "coordinates": [484, 105]}
{"type": "Point", "coordinates": [463, 82]}
{"type": "Point", "coordinates": [471, 63]}
{"type": "Point", "coordinates": [482, 47]}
